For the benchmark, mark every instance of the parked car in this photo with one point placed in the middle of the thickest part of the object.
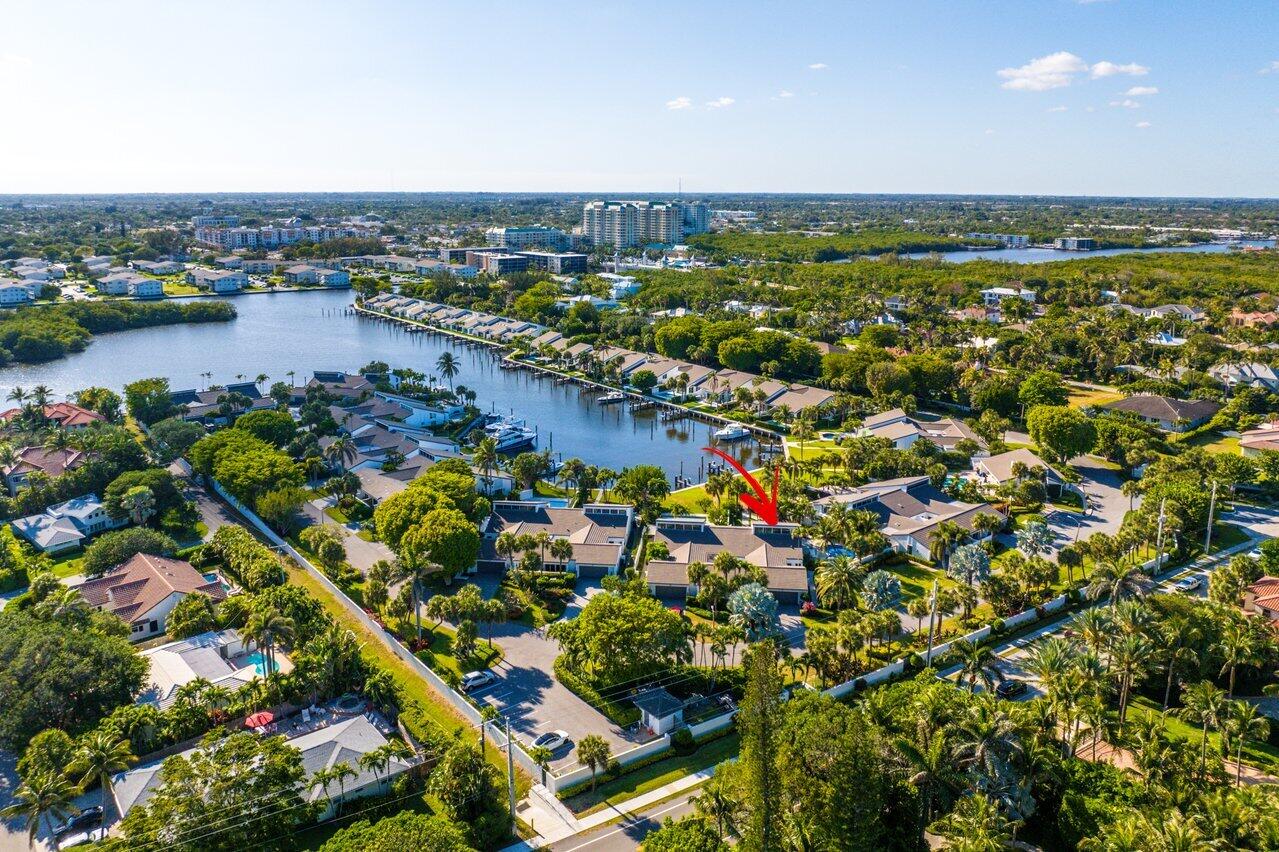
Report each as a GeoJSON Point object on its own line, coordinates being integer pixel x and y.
{"type": "Point", "coordinates": [551, 740]}
{"type": "Point", "coordinates": [85, 819]}
{"type": "Point", "coordinates": [475, 680]}
{"type": "Point", "coordinates": [1189, 584]}
{"type": "Point", "coordinates": [1255, 553]}
{"type": "Point", "coordinates": [1010, 688]}
{"type": "Point", "coordinates": [82, 838]}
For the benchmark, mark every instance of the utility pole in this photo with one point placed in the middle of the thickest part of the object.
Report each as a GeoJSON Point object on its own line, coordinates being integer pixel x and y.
{"type": "Point", "coordinates": [1159, 537]}
{"type": "Point", "coordinates": [510, 772]}
{"type": "Point", "coordinates": [932, 616]}
{"type": "Point", "coordinates": [1212, 505]}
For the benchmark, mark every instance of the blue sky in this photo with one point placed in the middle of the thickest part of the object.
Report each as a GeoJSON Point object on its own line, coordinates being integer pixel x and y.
{"type": "Point", "coordinates": [1111, 97]}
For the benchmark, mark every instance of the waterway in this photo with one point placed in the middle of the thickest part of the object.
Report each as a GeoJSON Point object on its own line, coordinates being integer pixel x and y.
{"type": "Point", "coordinates": [1045, 255]}
{"type": "Point", "coordinates": [301, 332]}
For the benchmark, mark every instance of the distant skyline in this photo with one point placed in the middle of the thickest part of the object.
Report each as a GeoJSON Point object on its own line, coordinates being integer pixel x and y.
{"type": "Point", "coordinates": [1024, 97]}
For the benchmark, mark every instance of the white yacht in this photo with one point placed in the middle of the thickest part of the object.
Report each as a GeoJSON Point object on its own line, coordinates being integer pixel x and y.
{"type": "Point", "coordinates": [610, 398]}
{"type": "Point", "coordinates": [732, 432]}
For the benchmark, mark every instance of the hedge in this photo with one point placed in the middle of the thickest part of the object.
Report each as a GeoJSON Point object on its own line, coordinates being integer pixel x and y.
{"type": "Point", "coordinates": [622, 715]}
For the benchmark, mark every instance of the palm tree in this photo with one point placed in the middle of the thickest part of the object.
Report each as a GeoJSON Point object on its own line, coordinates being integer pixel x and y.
{"type": "Point", "coordinates": [46, 796]}
{"type": "Point", "coordinates": [100, 756]}
{"type": "Point", "coordinates": [946, 535]}
{"type": "Point", "coordinates": [593, 751]}
{"type": "Point", "coordinates": [1116, 581]}
{"type": "Point", "coordinates": [341, 452]}
{"type": "Point", "coordinates": [341, 772]}
{"type": "Point", "coordinates": [562, 550]}
{"type": "Point", "coordinates": [448, 366]}
{"type": "Point", "coordinates": [18, 395]}
{"type": "Point", "coordinates": [838, 582]}
{"type": "Point", "coordinates": [1206, 705]}
{"type": "Point", "coordinates": [1129, 656]}
{"type": "Point", "coordinates": [1238, 647]}
{"type": "Point", "coordinates": [268, 628]}
{"type": "Point", "coordinates": [1177, 636]}
{"type": "Point", "coordinates": [976, 661]}
{"type": "Point", "coordinates": [375, 761]}
{"type": "Point", "coordinates": [716, 802]}
{"type": "Point", "coordinates": [506, 546]}
{"type": "Point", "coordinates": [1243, 723]}
{"type": "Point", "coordinates": [40, 396]}
{"type": "Point", "coordinates": [485, 457]}
{"type": "Point", "coordinates": [1130, 489]}
{"type": "Point", "coordinates": [930, 771]}
{"type": "Point", "coordinates": [977, 823]}
{"type": "Point", "coordinates": [260, 380]}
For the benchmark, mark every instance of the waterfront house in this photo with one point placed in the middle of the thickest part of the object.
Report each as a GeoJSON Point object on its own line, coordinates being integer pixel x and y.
{"type": "Point", "coordinates": [208, 406]}
{"type": "Point", "coordinates": [598, 532]}
{"type": "Point", "coordinates": [52, 462]}
{"type": "Point", "coordinates": [116, 284]}
{"type": "Point", "coordinates": [544, 339]}
{"type": "Point", "coordinates": [910, 509]}
{"type": "Point", "coordinates": [348, 389]}
{"type": "Point", "coordinates": [693, 538]}
{"type": "Point", "coordinates": [800, 398]}
{"type": "Point", "coordinates": [722, 387]}
{"type": "Point", "coordinates": [218, 280]}
{"type": "Point", "coordinates": [1165, 412]}
{"type": "Point", "coordinates": [301, 274]}
{"type": "Point", "coordinates": [144, 590]}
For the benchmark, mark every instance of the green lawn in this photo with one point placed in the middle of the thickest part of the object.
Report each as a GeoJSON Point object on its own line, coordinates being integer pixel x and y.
{"type": "Point", "coordinates": [690, 497]}
{"type": "Point", "coordinates": [654, 775]}
{"type": "Point", "coordinates": [1215, 443]}
{"type": "Point", "coordinates": [486, 654]}
{"type": "Point", "coordinates": [916, 580]}
{"type": "Point", "coordinates": [69, 564]}
{"type": "Point", "coordinates": [1085, 397]}
{"type": "Point", "coordinates": [179, 288]}
{"type": "Point", "coordinates": [1259, 754]}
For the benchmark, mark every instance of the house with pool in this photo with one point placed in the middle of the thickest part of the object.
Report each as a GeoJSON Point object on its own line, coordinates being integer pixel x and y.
{"type": "Point", "coordinates": [221, 657]}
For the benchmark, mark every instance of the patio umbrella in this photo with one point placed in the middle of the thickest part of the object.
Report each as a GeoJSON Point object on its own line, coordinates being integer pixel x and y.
{"type": "Point", "coordinates": [257, 720]}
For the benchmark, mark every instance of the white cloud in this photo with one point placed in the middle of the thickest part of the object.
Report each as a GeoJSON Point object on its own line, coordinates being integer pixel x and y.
{"type": "Point", "coordinates": [818, 66]}
{"type": "Point", "coordinates": [1142, 124]}
{"type": "Point", "coordinates": [1138, 91]}
{"type": "Point", "coordinates": [1057, 109]}
{"type": "Point", "coordinates": [1272, 68]}
{"type": "Point", "coordinates": [719, 103]}
{"type": "Point", "coordinates": [784, 93]}
{"type": "Point", "coordinates": [680, 103]}
{"type": "Point", "coordinates": [1047, 72]}
{"type": "Point", "coordinates": [1127, 103]}
{"type": "Point", "coordinates": [1110, 69]}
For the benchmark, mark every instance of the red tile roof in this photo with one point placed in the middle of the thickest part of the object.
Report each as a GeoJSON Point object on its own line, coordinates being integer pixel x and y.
{"type": "Point", "coordinates": [139, 585]}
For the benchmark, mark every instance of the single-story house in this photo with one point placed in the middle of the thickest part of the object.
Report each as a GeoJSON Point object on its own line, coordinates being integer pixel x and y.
{"type": "Point", "coordinates": [904, 430]}
{"type": "Point", "coordinates": [221, 657]}
{"type": "Point", "coordinates": [694, 539]}
{"type": "Point", "coordinates": [910, 509]}
{"type": "Point", "coordinates": [599, 534]}
{"type": "Point", "coordinates": [1166, 412]}
{"type": "Point", "coordinates": [1264, 437]}
{"type": "Point", "coordinates": [996, 470]}
{"type": "Point", "coordinates": [660, 712]}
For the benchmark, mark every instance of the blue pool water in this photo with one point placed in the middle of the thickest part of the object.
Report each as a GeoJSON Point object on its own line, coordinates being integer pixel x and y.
{"type": "Point", "coordinates": [258, 662]}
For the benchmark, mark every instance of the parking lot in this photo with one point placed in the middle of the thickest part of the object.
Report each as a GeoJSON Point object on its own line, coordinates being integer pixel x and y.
{"type": "Point", "coordinates": [527, 693]}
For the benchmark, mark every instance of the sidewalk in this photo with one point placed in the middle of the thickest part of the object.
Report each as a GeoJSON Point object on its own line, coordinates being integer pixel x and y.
{"type": "Point", "coordinates": [606, 815]}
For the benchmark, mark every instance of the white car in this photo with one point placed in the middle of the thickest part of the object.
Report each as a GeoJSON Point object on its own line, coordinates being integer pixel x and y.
{"type": "Point", "coordinates": [1255, 553]}
{"type": "Point", "coordinates": [475, 680]}
{"type": "Point", "coordinates": [551, 740]}
{"type": "Point", "coordinates": [1189, 584]}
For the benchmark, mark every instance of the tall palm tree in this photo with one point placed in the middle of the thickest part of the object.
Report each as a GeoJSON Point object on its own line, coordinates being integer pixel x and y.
{"type": "Point", "coordinates": [342, 771]}
{"type": "Point", "coordinates": [449, 366]}
{"type": "Point", "coordinates": [506, 546]}
{"type": "Point", "coordinates": [46, 796]}
{"type": "Point", "coordinates": [341, 452]}
{"type": "Point", "coordinates": [18, 395]}
{"type": "Point", "coordinates": [99, 757]}
{"type": "Point", "coordinates": [1244, 722]}
{"type": "Point", "coordinates": [1129, 656]}
{"type": "Point", "coordinates": [946, 535]}
{"type": "Point", "coordinates": [717, 802]}
{"type": "Point", "coordinates": [485, 457]}
{"type": "Point", "coordinates": [1206, 705]}
{"type": "Point", "coordinates": [1238, 647]}
{"type": "Point", "coordinates": [929, 770]}
{"type": "Point", "coordinates": [268, 628]}
{"type": "Point", "coordinates": [1178, 637]}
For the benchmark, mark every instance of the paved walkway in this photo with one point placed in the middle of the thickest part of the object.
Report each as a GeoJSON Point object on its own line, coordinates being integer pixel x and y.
{"type": "Point", "coordinates": [552, 829]}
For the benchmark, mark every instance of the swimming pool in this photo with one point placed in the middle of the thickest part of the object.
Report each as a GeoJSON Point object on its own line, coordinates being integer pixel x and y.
{"type": "Point", "coordinates": [257, 662]}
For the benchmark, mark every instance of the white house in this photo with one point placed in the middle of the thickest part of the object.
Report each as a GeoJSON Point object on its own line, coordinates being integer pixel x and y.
{"type": "Point", "coordinates": [65, 526]}
{"type": "Point", "coordinates": [145, 589]}
{"type": "Point", "coordinates": [218, 280]}
{"type": "Point", "coordinates": [994, 295]}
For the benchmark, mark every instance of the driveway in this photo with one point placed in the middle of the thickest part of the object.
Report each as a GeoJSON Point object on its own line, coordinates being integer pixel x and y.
{"type": "Point", "coordinates": [528, 694]}
{"type": "Point", "coordinates": [360, 553]}
{"type": "Point", "coordinates": [213, 512]}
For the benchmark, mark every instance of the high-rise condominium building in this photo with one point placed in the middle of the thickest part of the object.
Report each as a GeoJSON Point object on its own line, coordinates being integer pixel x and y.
{"type": "Point", "coordinates": [623, 224]}
{"type": "Point", "coordinates": [535, 236]}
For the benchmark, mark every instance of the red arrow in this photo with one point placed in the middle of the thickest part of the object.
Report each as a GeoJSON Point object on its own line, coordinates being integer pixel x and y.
{"type": "Point", "coordinates": [764, 506]}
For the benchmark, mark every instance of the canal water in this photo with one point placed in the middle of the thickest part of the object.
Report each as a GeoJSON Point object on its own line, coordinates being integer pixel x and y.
{"type": "Point", "coordinates": [278, 332]}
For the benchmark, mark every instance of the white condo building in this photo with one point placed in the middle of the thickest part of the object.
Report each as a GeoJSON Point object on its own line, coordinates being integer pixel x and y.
{"type": "Point", "coordinates": [623, 224]}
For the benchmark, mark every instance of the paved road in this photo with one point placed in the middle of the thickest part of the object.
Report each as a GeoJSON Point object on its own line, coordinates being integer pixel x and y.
{"type": "Point", "coordinates": [360, 553]}
{"type": "Point", "coordinates": [213, 512]}
{"type": "Point", "coordinates": [627, 833]}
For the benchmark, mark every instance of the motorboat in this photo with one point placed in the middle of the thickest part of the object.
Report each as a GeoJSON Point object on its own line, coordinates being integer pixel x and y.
{"type": "Point", "coordinates": [611, 397]}
{"type": "Point", "coordinates": [731, 432]}
{"type": "Point", "coordinates": [511, 434]}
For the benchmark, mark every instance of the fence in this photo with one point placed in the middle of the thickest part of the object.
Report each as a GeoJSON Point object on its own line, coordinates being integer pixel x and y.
{"type": "Point", "coordinates": [437, 683]}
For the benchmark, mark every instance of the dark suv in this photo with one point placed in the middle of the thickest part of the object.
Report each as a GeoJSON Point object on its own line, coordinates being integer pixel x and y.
{"type": "Point", "coordinates": [1010, 688]}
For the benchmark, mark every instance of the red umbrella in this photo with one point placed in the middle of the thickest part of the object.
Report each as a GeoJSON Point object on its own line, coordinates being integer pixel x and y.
{"type": "Point", "coordinates": [262, 717]}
